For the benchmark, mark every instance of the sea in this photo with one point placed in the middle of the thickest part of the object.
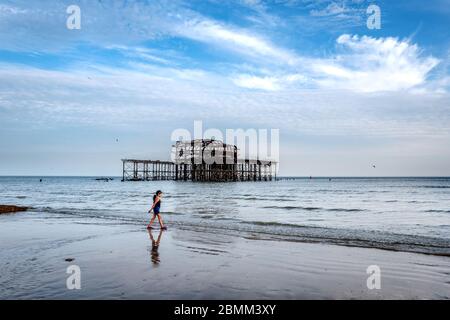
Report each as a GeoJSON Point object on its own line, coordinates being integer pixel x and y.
{"type": "Point", "coordinates": [400, 214]}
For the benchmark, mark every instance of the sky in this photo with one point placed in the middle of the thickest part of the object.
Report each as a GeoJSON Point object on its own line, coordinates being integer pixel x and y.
{"type": "Point", "coordinates": [347, 100]}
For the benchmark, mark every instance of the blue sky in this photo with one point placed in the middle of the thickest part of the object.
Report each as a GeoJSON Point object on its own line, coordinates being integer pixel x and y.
{"type": "Point", "coordinates": [74, 102]}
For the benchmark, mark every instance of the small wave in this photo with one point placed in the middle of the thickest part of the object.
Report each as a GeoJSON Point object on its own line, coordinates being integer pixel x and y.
{"type": "Point", "coordinates": [273, 230]}
{"type": "Point", "coordinates": [274, 224]}
{"type": "Point", "coordinates": [416, 201]}
{"type": "Point", "coordinates": [314, 208]}
{"type": "Point", "coordinates": [251, 198]}
{"type": "Point", "coordinates": [172, 213]}
{"type": "Point", "coordinates": [293, 208]}
{"type": "Point", "coordinates": [211, 216]}
{"type": "Point", "coordinates": [436, 187]}
{"type": "Point", "coordinates": [437, 211]}
{"type": "Point", "coordinates": [265, 198]}
{"type": "Point", "coordinates": [104, 215]}
{"type": "Point", "coordinates": [93, 211]}
{"type": "Point", "coordinates": [345, 210]}
{"type": "Point", "coordinates": [176, 196]}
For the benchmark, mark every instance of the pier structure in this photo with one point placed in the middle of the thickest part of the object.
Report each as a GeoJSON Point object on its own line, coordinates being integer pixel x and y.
{"type": "Point", "coordinates": [146, 170]}
{"type": "Point", "coordinates": [205, 160]}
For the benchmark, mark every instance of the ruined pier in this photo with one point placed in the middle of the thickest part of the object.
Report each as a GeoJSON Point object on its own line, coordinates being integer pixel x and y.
{"type": "Point", "coordinates": [190, 164]}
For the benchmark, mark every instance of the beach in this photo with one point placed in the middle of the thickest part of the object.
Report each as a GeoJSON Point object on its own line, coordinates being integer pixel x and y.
{"type": "Point", "coordinates": [116, 262]}
{"type": "Point", "coordinates": [293, 149]}
{"type": "Point", "coordinates": [272, 240]}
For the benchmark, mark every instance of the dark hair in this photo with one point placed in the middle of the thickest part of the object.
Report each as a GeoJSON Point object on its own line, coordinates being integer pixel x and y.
{"type": "Point", "coordinates": [158, 192]}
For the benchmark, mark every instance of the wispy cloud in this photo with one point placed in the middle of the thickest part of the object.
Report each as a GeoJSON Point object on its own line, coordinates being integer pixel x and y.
{"type": "Point", "coordinates": [146, 54]}
{"type": "Point", "coordinates": [269, 83]}
{"type": "Point", "coordinates": [369, 64]}
{"type": "Point", "coordinates": [7, 10]}
{"type": "Point", "coordinates": [361, 64]}
{"type": "Point", "coordinates": [253, 82]}
{"type": "Point", "coordinates": [99, 96]}
{"type": "Point", "coordinates": [331, 9]}
{"type": "Point", "coordinates": [234, 39]}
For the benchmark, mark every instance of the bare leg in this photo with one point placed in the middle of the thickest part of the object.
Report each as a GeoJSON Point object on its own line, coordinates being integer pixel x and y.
{"type": "Point", "coordinates": [161, 223]}
{"type": "Point", "coordinates": [151, 222]}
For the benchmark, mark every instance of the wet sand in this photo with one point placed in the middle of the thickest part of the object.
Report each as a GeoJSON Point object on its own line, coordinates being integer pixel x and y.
{"type": "Point", "coordinates": [121, 262]}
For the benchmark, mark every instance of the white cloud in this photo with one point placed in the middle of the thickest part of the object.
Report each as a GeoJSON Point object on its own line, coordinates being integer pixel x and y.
{"type": "Point", "coordinates": [253, 82]}
{"type": "Point", "coordinates": [143, 53]}
{"type": "Point", "coordinates": [332, 9]}
{"type": "Point", "coordinates": [234, 39]}
{"type": "Point", "coordinates": [374, 64]}
{"type": "Point", "coordinates": [361, 64]}
{"type": "Point", "coordinates": [269, 83]}
{"type": "Point", "coordinates": [7, 10]}
{"type": "Point", "coordinates": [128, 26]}
{"type": "Point", "coordinates": [100, 96]}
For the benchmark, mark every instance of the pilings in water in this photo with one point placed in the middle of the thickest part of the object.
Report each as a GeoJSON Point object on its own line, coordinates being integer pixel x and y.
{"type": "Point", "coordinates": [146, 170]}
{"type": "Point", "coordinates": [242, 170]}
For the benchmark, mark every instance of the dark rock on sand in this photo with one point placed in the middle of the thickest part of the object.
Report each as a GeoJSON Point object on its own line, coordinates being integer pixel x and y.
{"type": "Point", "coordinates": [11, 209]}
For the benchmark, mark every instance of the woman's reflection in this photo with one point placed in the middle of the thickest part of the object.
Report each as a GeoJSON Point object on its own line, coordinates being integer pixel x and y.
{"type": "Point", "coordinates": [154, 254]}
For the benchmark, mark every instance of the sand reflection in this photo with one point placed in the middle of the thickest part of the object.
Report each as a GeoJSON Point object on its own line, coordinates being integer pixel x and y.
{"type": "Point", "coordinates": [154, 253]}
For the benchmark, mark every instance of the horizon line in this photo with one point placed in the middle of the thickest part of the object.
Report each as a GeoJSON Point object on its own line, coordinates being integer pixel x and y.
{"type": "Point", "coordinates": [284, 176]}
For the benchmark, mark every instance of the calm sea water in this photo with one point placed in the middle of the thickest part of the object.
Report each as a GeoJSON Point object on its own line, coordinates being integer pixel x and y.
{"type": "Point", "coordinates": [410, 214]}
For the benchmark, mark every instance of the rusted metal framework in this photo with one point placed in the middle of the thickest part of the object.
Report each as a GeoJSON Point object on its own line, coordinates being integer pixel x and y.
{"type": "Point", "coordinates": [146, 170]}
{"type": "Point", "coordinates": [200, 160]}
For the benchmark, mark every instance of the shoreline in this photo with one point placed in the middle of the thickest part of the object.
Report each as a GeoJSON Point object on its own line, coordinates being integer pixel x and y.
{"type": "Point", "coordinates": [352, 241]}
{"type": "Point", "coordinates": [117, 262]}
{"type": "Point", "coordinates": [369, 239]}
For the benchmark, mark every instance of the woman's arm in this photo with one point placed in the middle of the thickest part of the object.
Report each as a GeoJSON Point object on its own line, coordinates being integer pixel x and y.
{"type": "Point", "coordinates": [154, 203]}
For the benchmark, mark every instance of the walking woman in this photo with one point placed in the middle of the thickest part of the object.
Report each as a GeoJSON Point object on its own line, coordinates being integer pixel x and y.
{"type": "Point", "coordinates": [156, 207]}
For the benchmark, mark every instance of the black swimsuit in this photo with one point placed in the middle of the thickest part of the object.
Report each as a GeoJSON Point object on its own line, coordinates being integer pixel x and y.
{"type": "Point", "coordinates": [157, 207]}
